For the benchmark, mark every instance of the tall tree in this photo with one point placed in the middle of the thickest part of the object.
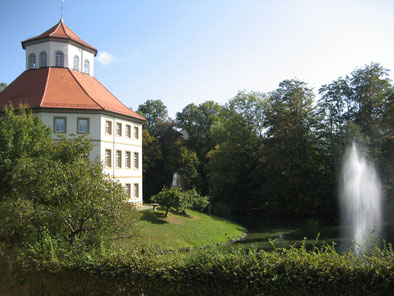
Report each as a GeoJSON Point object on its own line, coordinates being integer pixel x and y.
{"type": "Point", "coordinates": [155, 112]}
{"type": "Point", "coordinates": [291, 151]}
{"type": "Point", "coordinates": [197, 122]}
{"type": "Point", "coordinates": [360, 107]}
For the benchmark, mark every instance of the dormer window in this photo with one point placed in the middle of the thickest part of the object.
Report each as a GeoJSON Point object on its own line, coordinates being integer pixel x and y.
{"type": "Point", "coordinates": [32, 61]}
{"type": "Point", "coordinates": [86, 66]}
{"type": "Point", "coordinates": [76, 63]}
{"type": "Point", "coordinates": [59, 59]}
{"type": "Point", "coordinates": [43, 59]}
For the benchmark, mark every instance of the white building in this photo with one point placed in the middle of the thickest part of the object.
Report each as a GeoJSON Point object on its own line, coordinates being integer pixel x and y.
{"type": "Point", "coordinates": [59, 86]}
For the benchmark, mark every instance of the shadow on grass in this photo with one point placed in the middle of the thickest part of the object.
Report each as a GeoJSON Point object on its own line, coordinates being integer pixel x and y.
{"type": "Point", "coordinates": [153, 217]}
{"type": "Point", "coordinates": [182, 214]}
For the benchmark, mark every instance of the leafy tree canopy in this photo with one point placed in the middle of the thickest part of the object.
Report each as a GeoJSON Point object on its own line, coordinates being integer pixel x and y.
{"type": "Point", "coordinates": [56, 198]}
{"type": "Point", "coordinates": [180, 200]}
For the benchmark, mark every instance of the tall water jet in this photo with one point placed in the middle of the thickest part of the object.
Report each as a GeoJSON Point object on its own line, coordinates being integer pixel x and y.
{"type": "Point", "coordinates": [361, 196]}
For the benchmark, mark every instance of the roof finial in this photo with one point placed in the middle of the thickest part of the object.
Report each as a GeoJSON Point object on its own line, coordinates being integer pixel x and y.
{"type": "Point", "coordinates": [61, 11]}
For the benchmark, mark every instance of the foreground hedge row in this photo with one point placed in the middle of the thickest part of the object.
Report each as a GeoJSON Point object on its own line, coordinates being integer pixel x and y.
{"type": "Point", "coordinates": [294, 271]}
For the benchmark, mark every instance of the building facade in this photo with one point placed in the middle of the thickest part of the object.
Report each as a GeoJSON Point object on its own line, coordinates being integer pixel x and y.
{"type": "Point", "coordinates": [59, 86]}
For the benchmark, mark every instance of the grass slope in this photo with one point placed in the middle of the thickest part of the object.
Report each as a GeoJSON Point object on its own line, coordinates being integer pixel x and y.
{"type": "Point", "coordinates": [192, 230]}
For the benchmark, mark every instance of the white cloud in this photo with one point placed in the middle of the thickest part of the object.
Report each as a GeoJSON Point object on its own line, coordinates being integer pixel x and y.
{"type": "Point", "coordinates": [105, 58]}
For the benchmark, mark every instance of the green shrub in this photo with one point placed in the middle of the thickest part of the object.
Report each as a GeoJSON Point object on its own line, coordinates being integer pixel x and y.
{"type": "Point", "coordinates": [180, 200]}
{"type": "Point", "coordinates": [294, 271]}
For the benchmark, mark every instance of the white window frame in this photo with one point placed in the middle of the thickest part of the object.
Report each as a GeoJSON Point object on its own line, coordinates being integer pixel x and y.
{"type": "Point", "coordinates": [108, 129]}
{"type": "Point", "coordinates": [128, 159]}
{"type": "Point", "coordinates": [108, 158]}
{"type": "Point", "coordinates": [118, 129]}
{"type": "Point", "coordinates": [59, 58]}
{"type": "Point", "coordinates": [64, 124]}
{"type": "Point", "coordinates": [87, 126]}
{"type": "Point", "coordinates": [136, 133]}
{"type": "Point", "coordinates": [128, 190]}
{"type": "Point", "coordinates": [118, 159]}
{"type": "Point", "coordinates": [86, 66]}
{"type": "Point", "coordinates": [128, 130]}
{"type": "Point", "coordinates": [136, 160]}
{"type": "Point", "coordinates": [43, 59]}
{"type": "Point", "coordinates": [136, 190]}
{"type": "Point", "coordinates": [76, 63]}
{"type": "Point", "coordinates": [32, 61]}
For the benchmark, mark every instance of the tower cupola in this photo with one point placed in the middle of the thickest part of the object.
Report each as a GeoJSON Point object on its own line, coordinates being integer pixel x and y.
{"type": "Point", "coordinates": [59, 47]}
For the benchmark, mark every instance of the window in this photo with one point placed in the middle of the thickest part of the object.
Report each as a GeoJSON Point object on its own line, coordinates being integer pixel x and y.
{"type": "Point", "coordinates": [118, 158]}
{"type": "Point", "coordinates": [108, 127]}
{"type": "Point", "coordinates": [59, 59]}
{"type": "Point", "coordinates": [136, 132]}
{"type": "Point", "coordinates": [136, 160]}
{"type": "Point", "coordinates": [136, 190]}
{"type": "Point", "coordinates": [82, 125]}
{"type": "Point", "coordinates": [128, 131]}
{"type": "Point", "coordinates": [76, 63]}
{"type": "Point", "coordinates": [128, 160]}
{"type": "Point", "coordinates": [32, 61]}
{"type": "Point", "coordinates": [119, 129]}
{"type": "Point", "coordinates": [128, 190]}
{"type": "Point", "coordinates": [43, 59]}
{"type": "Point", "coordinates": [108, 158]}
{"type": "Point", "coordinates": [86, 66]}
{"type": "Point", "coordinates": [59, 124]}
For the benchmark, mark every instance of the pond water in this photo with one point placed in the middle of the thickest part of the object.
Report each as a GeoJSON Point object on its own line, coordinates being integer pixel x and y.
{"type": "Point", "coordinates": [288, 231]}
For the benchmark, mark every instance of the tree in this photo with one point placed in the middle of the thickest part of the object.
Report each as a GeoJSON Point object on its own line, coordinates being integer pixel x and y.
{"type": "Point", "coordinates": [22, 135]}
{"type": "Point", "coordinates": [57, 196]}
{"type": "Point", "coordinates": [291, 151]}
{"type": "Point", "coordinates": [180, 200]}
{"type": "Point", "coordinates": [164, 151]}
{"type": "Point", "coordinates": [231, 166]}
{"type": "Point", "coordinates": [197, 121]}
{"type": "Point", "coordinates": [360, 106]}
{"type": "Point", "coordinates": [155, 112]}
{"type": "Point", "coordinates": [3, 85]}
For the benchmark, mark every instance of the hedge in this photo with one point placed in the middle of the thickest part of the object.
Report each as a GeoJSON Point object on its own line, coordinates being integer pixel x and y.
{"type": "Point", "coordinates": [294, 271]}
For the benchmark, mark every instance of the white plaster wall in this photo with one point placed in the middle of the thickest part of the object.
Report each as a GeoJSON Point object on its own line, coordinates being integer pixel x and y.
{"type": "Point", "coordinates": [123, 143]}
{"type": "Point", "coordinates": [50, 48]}
{"type": "Point", "coordinates": [83, 55]}
{"type": "Point", "coordinates": [69, 50]}
{"type": "Point", "coordinates": [71, 127]}
{"type": "Point", "coordinates": [101, 141]}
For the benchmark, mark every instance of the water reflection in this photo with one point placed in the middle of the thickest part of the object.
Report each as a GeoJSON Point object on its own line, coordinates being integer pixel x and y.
{"type": "Point", "coordinates": [288, 231]}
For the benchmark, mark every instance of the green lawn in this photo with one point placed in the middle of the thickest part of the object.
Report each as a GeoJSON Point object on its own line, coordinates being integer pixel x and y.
{"type": "Point", "coordinates": [192, 230]}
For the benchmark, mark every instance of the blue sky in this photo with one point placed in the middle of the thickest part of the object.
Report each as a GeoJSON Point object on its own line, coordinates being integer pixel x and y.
{"type": "Point", "coordinates": [190, 51]}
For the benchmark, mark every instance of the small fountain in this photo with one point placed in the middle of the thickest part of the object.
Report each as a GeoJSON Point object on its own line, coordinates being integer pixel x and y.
{"type": "Point", "coordinates": [176, 180]}
{"type": "Point", "coordinates": [361, 195]}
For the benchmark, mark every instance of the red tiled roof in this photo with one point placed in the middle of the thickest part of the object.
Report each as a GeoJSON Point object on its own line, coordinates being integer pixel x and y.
{"type": "Point", "coordinates": [61, 31]}
{"type": "Point", "coordinates": [62, 88]}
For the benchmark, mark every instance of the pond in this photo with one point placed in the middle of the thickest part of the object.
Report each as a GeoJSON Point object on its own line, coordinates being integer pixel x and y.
{"type": "Point", "coordinates": [288, 231]}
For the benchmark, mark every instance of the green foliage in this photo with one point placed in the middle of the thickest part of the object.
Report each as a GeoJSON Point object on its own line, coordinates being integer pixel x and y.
{"type": "Point", "coordinates": [165, 153]}
{"type": "Point", "coordinates": [57, 200]}
{"type": "Point", "coordinates": [294, 271]}
{"type": "Point", "coordinates": [155, 112]}
{"type": "Point", "coordinates": [22, 136]}
{"type": "Point", "coordinates": [180, 200]}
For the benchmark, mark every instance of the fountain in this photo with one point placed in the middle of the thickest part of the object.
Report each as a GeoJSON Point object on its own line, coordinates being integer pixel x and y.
{"type": "Point", "coordinates": [361, 196]}
{"type": "Point", "coordinates": [176, 180]}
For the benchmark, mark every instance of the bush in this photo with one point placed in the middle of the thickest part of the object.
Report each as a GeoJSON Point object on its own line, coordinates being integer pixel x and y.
{"type": "Point", "coordinates": [293, 271]}
{"type": "Point", "coordinates": [180, 200]}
